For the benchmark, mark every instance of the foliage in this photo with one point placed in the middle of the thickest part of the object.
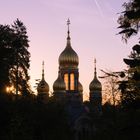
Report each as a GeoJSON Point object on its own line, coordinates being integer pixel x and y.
{"type": "Point", "coordinates": [123, 126]}
{"type": "Point", "coordinates": [14, 57]}
{"type": "Point", "coordinates": [130, 86]}
{"type": "Point", "coordinates": [27, 119]}
{"type": "Point", "coordinates": [128, 125]}
{"type": "Point", "coordinates": [111, 92]}
{"type": "Point", "coordinates": [6, 34]}
{"type": "Point", "coordinates": [129, 19]}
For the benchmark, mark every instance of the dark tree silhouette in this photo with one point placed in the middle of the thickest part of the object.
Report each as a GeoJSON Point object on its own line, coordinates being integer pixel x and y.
{"type": "Point", "coordinates": [14, 58]}
{"type": "Point", "coordinates": [129, 19]}
{"type": "Point", "coordinates": [130, 87]}
{"type": "Point", "coordinates": [6, 37]}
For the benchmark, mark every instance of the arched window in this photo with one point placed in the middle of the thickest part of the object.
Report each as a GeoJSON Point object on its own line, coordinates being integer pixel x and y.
{"type": "Point", "coordinates": [66, 80]}
{"type": "Point", "coordinates": [71, 81]}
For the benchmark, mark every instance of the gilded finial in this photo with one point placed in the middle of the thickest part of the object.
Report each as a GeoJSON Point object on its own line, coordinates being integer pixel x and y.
{"type": "Point", "coordinates": [43, 70]}
{"type": "Point", "coordinates": [68, 38]}
{"type": "Point", "coordinates": [95, 67]}
{"type": "Point", "coordinates": [68, 23]}
{"type": "Point", "coordinates": [95, 62]}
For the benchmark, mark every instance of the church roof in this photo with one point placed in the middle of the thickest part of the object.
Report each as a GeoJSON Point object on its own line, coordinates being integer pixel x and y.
{"type": "Point", "coordinates": [68, 58]}
{"type": "Point", "coordinates": [59, 85]}
{"type": "Point", "coordinates": [95, 83]}
{"type": "Point", "coordinates": [43, 86]}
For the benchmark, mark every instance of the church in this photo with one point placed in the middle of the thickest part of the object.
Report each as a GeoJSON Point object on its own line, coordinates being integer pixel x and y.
{"type": "Point", "coordinates": [67, 85]}
{"type": "Point", "coordinates": [67, 88]}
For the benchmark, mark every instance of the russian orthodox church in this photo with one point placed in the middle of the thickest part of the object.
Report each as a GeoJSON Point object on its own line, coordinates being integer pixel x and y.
{"type": "Point", "coordinates": [67, 87]}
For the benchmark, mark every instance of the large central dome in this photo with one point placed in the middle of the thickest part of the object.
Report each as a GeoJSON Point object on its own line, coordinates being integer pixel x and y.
{"type": "Point", "coordinates": [68, 58]}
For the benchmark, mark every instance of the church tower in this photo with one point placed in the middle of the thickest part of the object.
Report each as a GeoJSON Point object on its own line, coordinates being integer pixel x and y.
{"type": "Point", "coordinates": [95, 95]}
{"type": "Point", "coordinates": [68, 69]}
{"type": "Point", "coordinates": [43, 88]}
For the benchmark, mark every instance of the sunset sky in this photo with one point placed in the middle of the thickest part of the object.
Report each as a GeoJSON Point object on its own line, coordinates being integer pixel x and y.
{"type": "Point", "coordinates": [93, 32]}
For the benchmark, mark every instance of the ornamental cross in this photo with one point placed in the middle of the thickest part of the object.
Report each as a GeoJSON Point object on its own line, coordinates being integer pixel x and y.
{"type": "Point", "coordinates": [68, 23]}
{"type": "Point", "coordinates": [95, 61]}
{"type": "Point", "coordinates": [43, 65]}
{"type": "Point", "coordinates": [43, 70]}
{"type": "Point", "coordinates": [95, 64]}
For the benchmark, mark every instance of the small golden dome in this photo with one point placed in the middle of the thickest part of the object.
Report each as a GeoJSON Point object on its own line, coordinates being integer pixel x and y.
{"type": "Point", "coordinates": [43, 87]}
{"type": "Point", "coordinates": [95, 85]}
{"type": "Point", "coordinates": [80, 87]}
{"type": "Point", "coordinates": [59, 85]}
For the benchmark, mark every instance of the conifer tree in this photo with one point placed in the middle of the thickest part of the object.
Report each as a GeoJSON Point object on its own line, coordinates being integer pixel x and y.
{"type": "Point", "coordinates": [14, 57]}
{"type": "Point", "coordinates": [6, 37]}
{"type": "Point", "coordinates": [130, 87]}
{"type": "Point", "coordinates": [19, 72]}
{"type": "Point", "coordinates": [129, 19]}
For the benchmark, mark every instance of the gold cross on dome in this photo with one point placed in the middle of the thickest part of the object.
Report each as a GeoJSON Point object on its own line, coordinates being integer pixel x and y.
{"type": "Point", "coordinates": [68, 22]}
{"type": "Point", "coordinates": [95, 61]}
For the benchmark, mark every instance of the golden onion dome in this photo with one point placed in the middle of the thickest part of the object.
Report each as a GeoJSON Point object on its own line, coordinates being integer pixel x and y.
{"type": "Point", "coordinates": [68, 58]}
{"type": "Point", "coordinates": [43, 87]}
{"type": "Point", "coordinates": [80, 87]}
{"type": "Point", "coordinates": [95, 83]}
{"type": "Point", "coordinates": [59, 85]}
